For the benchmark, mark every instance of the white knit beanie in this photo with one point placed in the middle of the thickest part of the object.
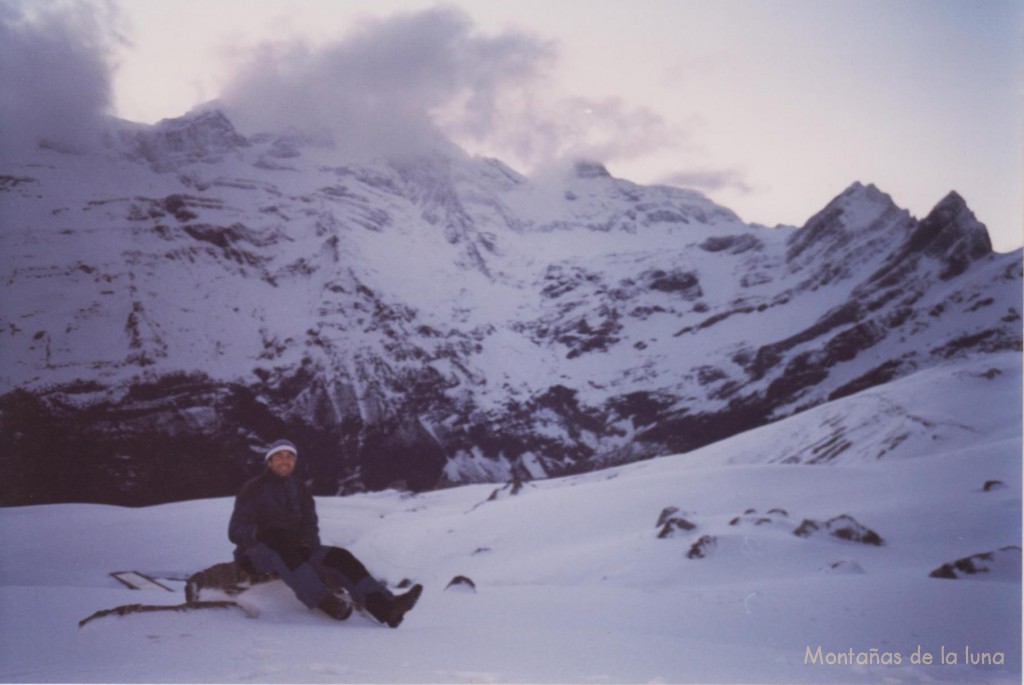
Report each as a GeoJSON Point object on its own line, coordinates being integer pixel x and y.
{"type": "Point", "coordinates": [280, 446]}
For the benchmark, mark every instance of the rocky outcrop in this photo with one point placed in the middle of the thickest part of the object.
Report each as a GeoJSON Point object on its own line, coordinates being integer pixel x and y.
{"type": "Point", "coordinates": [1002, 564]}
{"type": "Point", "coordinates": [852, 231]}
{"type": "Point", "coordinates": [704, 547]}
{"type": "Point", "coordinates": [173, 143]}
{"type": "Point", "coordinates": [671, 523]}
{"type": "Point", "coordinates": [843, 527]}
{"type": "Point", "coordinates": [461, 584]}
{"type": "Point", "coordinates": [752, 517]}
{"type": "Point", "coordinates": [950, 236]}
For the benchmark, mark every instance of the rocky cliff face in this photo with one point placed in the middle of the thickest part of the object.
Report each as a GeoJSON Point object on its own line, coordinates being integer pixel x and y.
{"type": "Point", "coordinates": [190, 294]}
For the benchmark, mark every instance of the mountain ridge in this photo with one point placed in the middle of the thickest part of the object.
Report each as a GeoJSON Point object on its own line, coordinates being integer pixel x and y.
{"type": "Point", "coordinates": [191, 293]}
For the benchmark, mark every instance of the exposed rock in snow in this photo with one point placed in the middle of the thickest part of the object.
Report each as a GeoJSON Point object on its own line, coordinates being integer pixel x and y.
{"type": "Point", "coordinates": [173, 143]}
{"type": "Point", "coordinates": [461, 584]}
{"type": "Point", "coordinates": [1003, 564]}
{"type": "Point", "coordinates": [671, 524]}
{"type": "Point", "coordinates": [952, 234]}
{"type": "Point", "coordinates": [845, 567]}
{"type": "Point", "coordinates": [751, 517]}
{"type": "Point", "coordinates": [843, 527]}
{"type": "Point", "coordinates": [591, 170]}
{"type": "Point", "coordinates": [510, 489]}
{"type": "Point", "coordinates": [703, 547]}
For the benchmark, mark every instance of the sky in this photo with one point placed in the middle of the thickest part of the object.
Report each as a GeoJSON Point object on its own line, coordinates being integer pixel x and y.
{"type": "Point", "coordinates": [769, 107]}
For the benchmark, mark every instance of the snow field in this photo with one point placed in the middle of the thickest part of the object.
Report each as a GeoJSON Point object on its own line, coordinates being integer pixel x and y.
{"type": "Point", "coordinates": [572, 582]}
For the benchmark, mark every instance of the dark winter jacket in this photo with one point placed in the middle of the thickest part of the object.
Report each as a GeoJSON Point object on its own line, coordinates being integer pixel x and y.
{"type": "Point", "coordinates": [277, 511]}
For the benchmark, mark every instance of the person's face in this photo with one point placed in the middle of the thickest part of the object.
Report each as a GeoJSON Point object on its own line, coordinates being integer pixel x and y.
{"type": "Point", "coordinates": [282, 463]}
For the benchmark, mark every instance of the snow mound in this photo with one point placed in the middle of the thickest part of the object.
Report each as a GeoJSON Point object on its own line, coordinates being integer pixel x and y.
{"type": "Point", "coordinates": [844, 567]}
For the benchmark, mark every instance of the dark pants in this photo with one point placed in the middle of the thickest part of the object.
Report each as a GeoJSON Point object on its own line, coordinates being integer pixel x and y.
{"type": "Point", "coordinates": [311, 580]}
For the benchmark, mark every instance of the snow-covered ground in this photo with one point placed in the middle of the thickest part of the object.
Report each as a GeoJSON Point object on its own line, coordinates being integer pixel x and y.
{"type": "Point", "coordinates": [573, 583]}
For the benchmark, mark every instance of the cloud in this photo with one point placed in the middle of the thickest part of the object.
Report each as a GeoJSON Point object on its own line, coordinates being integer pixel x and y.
{"type": "Point", "coordinates": [400, 84]}
{"type": "Point", "coordinates": [543, 129]}
{"type": "Point", "coordinates": [403, 83]}
{"type": "Point", "coordinates": [710, 180]}
{"type": "Point", "coordinates": [55, 73]}
{"type": "Point", "coordinates": [386, 87]}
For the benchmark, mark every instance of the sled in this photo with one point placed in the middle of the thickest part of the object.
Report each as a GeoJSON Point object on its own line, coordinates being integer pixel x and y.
{"type": "Point", "coordinates": [136, 580]}
{"type": "Point", "coordinates": [145, 608]}
{"type": "Point", "coordinates": [227, 578]}
{"type": "Point", "coordinates": [230, 578]}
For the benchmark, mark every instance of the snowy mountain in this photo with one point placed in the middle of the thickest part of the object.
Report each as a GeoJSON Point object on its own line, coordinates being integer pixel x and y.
{"type": "Point", "coordinates": [743, 561]}
{"type": "Point", "coordinates": [182, 297]}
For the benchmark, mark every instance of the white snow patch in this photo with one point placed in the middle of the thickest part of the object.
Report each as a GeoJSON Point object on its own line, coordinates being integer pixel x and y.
{"type": "Point", "coordinates": [572, 582]}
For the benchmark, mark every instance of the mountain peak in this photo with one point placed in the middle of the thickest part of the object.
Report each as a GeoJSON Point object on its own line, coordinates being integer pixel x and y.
{"type": "Point", "coordinates": [953, 203]}
{"type": "Point", "coordinates": [952, 220]}
{"type": "Point", "coordinates": [860, 209]}
{"type": "Point", "coordinates": [200, 134]}
{"type": "Point", "coordinates": [869, 192]}
{"type": "Point", "coordinates": [590, 169]}
{"type": "Point", "coordinates": [856, 201]}
{"type": "Point", "coordinates": [952, 234]}
{"type": "Point", "coordinates": [858, 187]}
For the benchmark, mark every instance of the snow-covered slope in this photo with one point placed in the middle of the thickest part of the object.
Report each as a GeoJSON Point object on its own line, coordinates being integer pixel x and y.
{"type": "Point", "coordinates": [177, 300]}
{"type": "Point", "coordinates": [744, 561]}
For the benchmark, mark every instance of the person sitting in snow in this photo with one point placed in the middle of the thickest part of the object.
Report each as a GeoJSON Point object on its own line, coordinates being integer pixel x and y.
{"type": "Point", "coordinates": [275, 529]}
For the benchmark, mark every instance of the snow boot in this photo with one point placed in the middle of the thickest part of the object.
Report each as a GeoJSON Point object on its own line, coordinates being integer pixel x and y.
{"type": "Point", "coordinates": [389, 609]}
{"type": "Point", "coordinates": [403, 603]}
{"type": "Point", "coordinates": [335, 607]}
